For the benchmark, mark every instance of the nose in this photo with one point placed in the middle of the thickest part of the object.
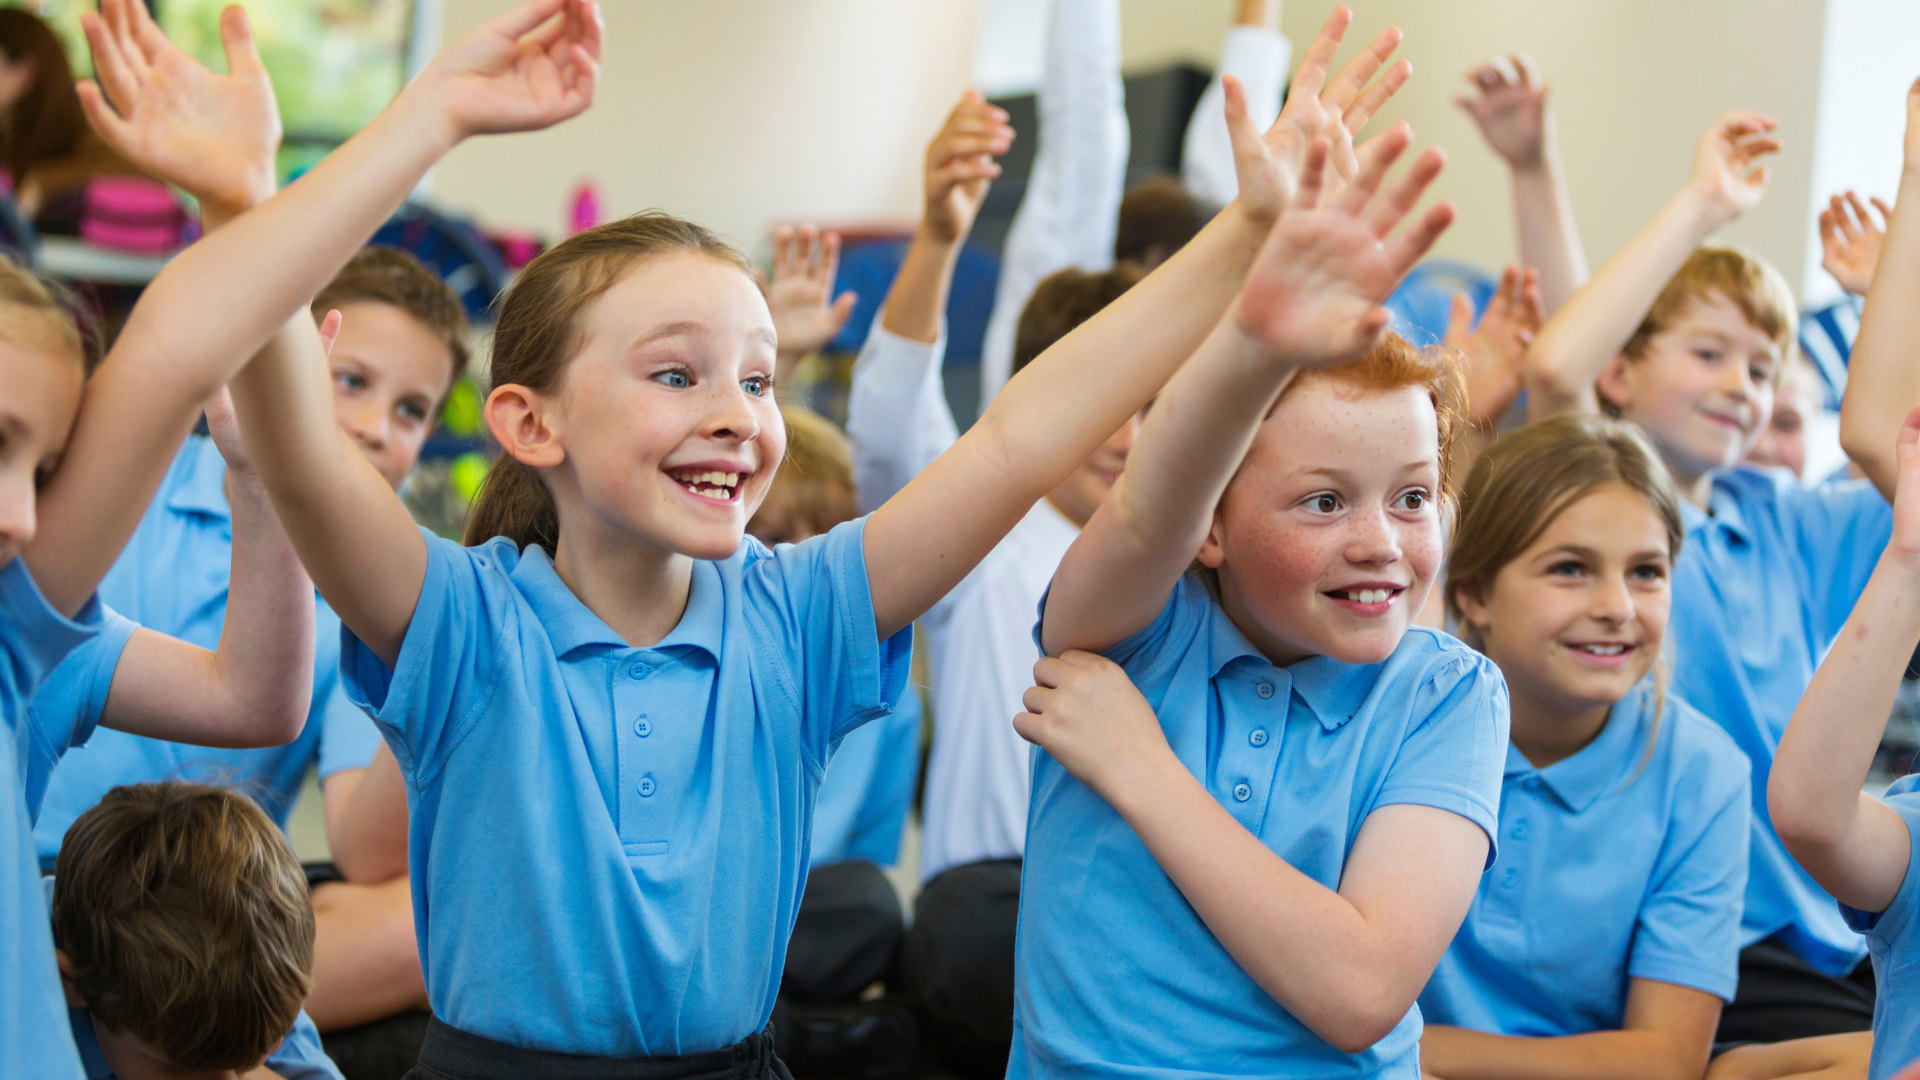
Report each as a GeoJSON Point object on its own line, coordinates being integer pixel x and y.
{"type": "Point", "coordinates": [732, 416]}
{"type": "Point", "coordinates": [367, 423]}
{"type": "Point", "coordinates": [17, 517]}
{"type": "Point", "coordinates": [1612, 601]}
{"type": "Point", "coordinates": [1738, 382]}
{"type": "Point", "coordinates": [1373, 540]}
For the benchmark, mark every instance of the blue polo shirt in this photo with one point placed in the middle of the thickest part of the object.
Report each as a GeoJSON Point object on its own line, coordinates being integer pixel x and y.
{"type": "Point", "coordinates": [608, 844]}
{"type": "Point", "coordinates": [1893, 941]}
{"type": "Point", "coordinates": [33, 639]}
{"type": "Point", "coordinates": [67, 708]}
{"type": "Point", "coordinates": [1762, 587]}
{"type": "Point", "coordinates": [173, 578]}
{"type": "Point", "coordinates": [1615, 863]}
{"type": "Point", "coordinates": [862, 808]}
{"type": "Point", "coordinates": [1116, 974]}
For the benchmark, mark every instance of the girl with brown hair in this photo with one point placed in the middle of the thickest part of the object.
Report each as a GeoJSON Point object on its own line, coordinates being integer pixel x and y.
{"type": "Point", "coordinates": [1605, 936]}
{"type": "Point", "coordinates": [45, 142]}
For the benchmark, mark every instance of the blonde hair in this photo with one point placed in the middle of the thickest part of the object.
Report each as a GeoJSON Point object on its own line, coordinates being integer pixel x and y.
{"type": "Point", "coordinates": [41, 314]}
{"type": "Point", "coordinates": [813, 491]}
{"type": "Point", "coordinates": [1744, 279]}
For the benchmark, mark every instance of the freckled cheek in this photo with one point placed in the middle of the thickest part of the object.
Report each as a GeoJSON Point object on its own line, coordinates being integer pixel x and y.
{"type": "Point", "coordinates": [1277, 563]}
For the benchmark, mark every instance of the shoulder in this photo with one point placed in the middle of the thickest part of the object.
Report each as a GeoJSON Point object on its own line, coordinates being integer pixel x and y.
{"type": "Point", "coordinates": [1778, 493]}
{"type": "Point", "coordinates": [1437, 658]}
{"type": "Point", "coordinates": [1704, 756]}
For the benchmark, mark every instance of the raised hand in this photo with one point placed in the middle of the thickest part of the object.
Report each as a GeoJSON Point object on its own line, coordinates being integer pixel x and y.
{"type": "Point", "coordinates": [531, 68]}
{"type": "Point", "coordinates": [1269, 165]}
{"type": "Point", "coordinates": [1085, 712]}
{"type": "Point", "coordinates": [1905, 544]}
{"type": "Point", "coordinates": [1850, 241]}
{"type": "Point", "coordinates": [1496, 350]}
{"type": "Point", "coordinates": [1313, 296]}
{"type": "Point", "coordinates": [1510, 107]}
{"type": "Point", "coordinates": [1723, 161]}
{"type": "Point", "coordinates": [960, 165]}
{"type": "Point", "coordinates": [806, 314]}
{"type": "Point", "coordinates": [214, 136]}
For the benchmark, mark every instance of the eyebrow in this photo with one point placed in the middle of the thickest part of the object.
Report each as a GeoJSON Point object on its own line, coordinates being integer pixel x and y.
{"type": "Point", "coordinates": [1589, 553]}
{"type": "Point", "coordinates": [1342, 474]}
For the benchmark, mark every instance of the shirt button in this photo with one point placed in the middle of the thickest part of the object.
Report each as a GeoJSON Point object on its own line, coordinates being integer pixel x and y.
{"type": "Point", "coordinates": [642, 727]}
{"type": "Point", "coordinates": [1510, 879]}
{"type": "Point", "coordinates": [1241, 792]}
{"type": "Point", "coordinates": [1259, 737]}
{"type": "Point", "coordinates": [639, 670]}
{"type": "Point", "coordinates": [1519, 830]}
{"type": "Point", "coordinates": [1263, 688]}
{"type": "Point", "coordinates": [646, 787]}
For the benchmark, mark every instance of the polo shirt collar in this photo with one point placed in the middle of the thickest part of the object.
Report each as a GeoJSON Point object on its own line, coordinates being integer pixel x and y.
{"type": "Point", "coordinates": [1727, 514]}
{"type": "Point", "coordinates": [1329, 687]}
{"type": "Point", "coordinates": [203, 487]}
{"type": "Point", "coordinates": [571, 625]}
{"type": "Point", "coordinates": [1581, 779]}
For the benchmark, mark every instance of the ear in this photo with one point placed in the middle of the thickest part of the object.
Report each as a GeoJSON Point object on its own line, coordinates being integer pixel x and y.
{"type": "Point", "coordinates": [1615, 381]}
{"type": "Point", "coordinates": [1473, 606]}
{"type": "Point", "coordinates": [69, 980]}
{"type": "Point", "coordinates": [522, 422]}
{"type": "Point", "coordinates": [1213, 552]}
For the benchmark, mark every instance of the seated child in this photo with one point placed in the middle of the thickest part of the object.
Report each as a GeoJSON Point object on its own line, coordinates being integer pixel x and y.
{"type": "Point", "coordinates": [1258, 880]}
{"type": "Point", "coordinates": [185, 939]}
{"type": "Point", "coordinates": [1689, 342]}
{"type": "Point", "coordinates": [1605, 936]}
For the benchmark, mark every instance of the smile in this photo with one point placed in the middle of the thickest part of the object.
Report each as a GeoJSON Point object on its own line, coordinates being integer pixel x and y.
{"type": "Point", "coordinates": [1367, 600]}
{"type": "Point", "coordinates": [709, 484]}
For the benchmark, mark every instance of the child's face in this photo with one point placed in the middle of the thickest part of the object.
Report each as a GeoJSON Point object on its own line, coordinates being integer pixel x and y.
{"type": "Point", "coordinates": [1328, 538]}
{"type": "Point", "coordinates": [1576, 620]}
{"type": "Point", "coordinates": [39, 395]}
{"type": "Point", "coordinates": [1784, 443]}
{"type": "Point", "coordinates": [1082, 493]}
{"type": "Point", "coordinates": [1703, 389]}
{"type": "Point", "coordinates": [667, 415]}
{"type": "Point", "coordinates": [389, 375]}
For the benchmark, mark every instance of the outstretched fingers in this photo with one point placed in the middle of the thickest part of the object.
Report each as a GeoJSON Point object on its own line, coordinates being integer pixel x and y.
{"type": "Point", "coordinates": [1385, 213]}
{"type": "Point", "coordinates": [112, 73]}
{"type": "Point", "coordinates": [1313, 172]}
{"type": "Point", "coordinates": [1412, 244]}
{"type": "Point", "coordinates": [1377, 95]}
{"type": "Point", "coordinates": [1345, 88]}
{"type": "Point", "coordinates": [1311, 77]}
{"type": "Point", "coordinates": [1375, 157]}
{"type": "Point", "coordinates": [236, 39]}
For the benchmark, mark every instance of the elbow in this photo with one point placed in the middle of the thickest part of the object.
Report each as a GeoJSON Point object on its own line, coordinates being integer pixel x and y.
{"type": "Point", "coordinates": [1354, 1017]}
{"type": "Point", "coordinates": [1800, 828]}
{"type": "Point", "coordinates": [266, 724]}
{"type": "Point", "coordinates": [1355, 1032]}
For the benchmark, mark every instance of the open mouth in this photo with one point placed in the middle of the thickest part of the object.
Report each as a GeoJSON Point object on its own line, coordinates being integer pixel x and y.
{"type": "Point", "coordinates": [1368, 600]}
{"type": "Point", "coordinates": [711, 484]}
{"type": "Point", "coordinates": [1603, 653]}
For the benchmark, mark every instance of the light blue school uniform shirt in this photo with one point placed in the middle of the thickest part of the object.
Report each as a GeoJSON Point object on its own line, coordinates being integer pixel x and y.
{"type": "Point", "coordinates": [298, 1057]}
{"type": "Point", "coordinates": [1761, 589]}
{"type": "Point", "coordinates": [864, 797]}
{"type": "Point", "coordinates": [66, 711]}
{"type": "Point", "coordinates": [1894, 942]}
{"type": "Point", "coordinates": [173, 578]}
{"type": "Point", "coordinates": [1115, 973]}
{"type": "Point", "coordinates": [1615, 863]}
{"type": "Point", "coordinates": [608, 844]}
{"type": "Point", "coordinates": [33, 639]}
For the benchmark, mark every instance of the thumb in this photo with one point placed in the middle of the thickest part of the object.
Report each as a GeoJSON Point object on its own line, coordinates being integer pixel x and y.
{"type": "Point", "coordinates": [236, 37]}
{"type": "Point", "coordinates": [1240, 125]}
{"type": "Point", "coordinates": [1908, 444]}
{"type": "Point", "coordinates": [330, 329]}
{"type": "Point", "coordinates": [843, 308]}
{"type": "Point", "coordinates": [1459, 320]}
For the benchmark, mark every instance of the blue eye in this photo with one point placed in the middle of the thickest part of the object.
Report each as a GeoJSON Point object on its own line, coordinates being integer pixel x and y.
{"type": "Point", "coordinates": [757, 385]}
{"type": "Point", "coordinates": [349, 380]}
{"type": "Point", "coordinates": [1649, 573]}
{"type": "Point", "coordinates": [679, 380]}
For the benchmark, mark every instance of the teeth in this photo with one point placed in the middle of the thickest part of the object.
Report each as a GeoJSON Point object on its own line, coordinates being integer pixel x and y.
{"type": "Point", "coordinates": [710, 478]}
{"type": "Point", "coordinates": [1602, 650]}
{"type": "Point", "coordinates": [1369, 596]}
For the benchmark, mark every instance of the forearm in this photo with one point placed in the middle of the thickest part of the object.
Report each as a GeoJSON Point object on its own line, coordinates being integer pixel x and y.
{"type": "Point", "coordinates": [1452, 1053]}
{"type": "Point", "coordinates": [917, 303]}
{"type": "Point", "coordinates": [1850, 842]}
{"type": "Point", "coordinates": [368, 836]}
{"type": "Point", "coordinates": [1549, 238]}
{"type": "Point", "coordinates": [1883, 376]}
{"type": "Point", "coordinates": [1116, 576]}
{"type": "Point", "coordinates": [1598, 319]}
{"type": "Point", "coordinates": [897, 415]}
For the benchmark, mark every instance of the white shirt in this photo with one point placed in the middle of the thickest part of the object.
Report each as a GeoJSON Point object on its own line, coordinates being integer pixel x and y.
{"type": "Point", "coordinates": [979, 637]}
{"type": "Point", "coordinates": [1258, 57]}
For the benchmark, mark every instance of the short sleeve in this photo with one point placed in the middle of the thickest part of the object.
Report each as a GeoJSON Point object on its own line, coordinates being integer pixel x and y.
{"type": "Point", "coordinates": [67, 708]}
{"type": "Point", "coordinates": [1841, 529]}
{"type": "Point", "coordinates": [34, 638]}
{"type": "Point", "coordinates": [1890, 926]}
{"type": "Point", "coordinates": [811, 605]}
{"type": "Point", "coordinates": [1688, 931]}
{"type": "Point", "coordinates": [1145, 655]}
{"type": "Point", "coordinates": [449, 659]}
{"type": "Point", "coordinates": [300, 1056]}
{"type": "Point", "coordinates": [1456, 744]}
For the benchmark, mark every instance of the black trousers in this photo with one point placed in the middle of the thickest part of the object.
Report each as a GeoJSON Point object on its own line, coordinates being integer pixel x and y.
{"type": "Point", "coordinates": [1783, 997]}
{"type": "Point", "coordinates": [959, 964]}
{"type": "Point", "coordinates": [452, 1054]}
{"type": "Point", "coordinates": [846, 936]}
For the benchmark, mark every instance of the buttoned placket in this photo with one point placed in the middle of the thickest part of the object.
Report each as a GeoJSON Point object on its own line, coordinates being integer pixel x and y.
{"type": "Point", "coordinates": [1254, 700]}
{"type": "Point", "coordinates": [1507, 899]}
{"type": "Point", "coordinates": [645, 821]}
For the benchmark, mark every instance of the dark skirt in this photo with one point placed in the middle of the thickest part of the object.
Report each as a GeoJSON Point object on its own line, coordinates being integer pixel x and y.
{"type": "Point", "coordinates": [452, 1054]}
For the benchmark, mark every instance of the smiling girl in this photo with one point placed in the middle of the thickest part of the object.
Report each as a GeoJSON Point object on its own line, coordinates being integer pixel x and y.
{"type": "Point", "coordinates": [1606, 935]}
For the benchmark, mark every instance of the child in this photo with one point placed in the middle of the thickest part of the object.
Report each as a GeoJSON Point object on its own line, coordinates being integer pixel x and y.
{"type": "Point", "coordinates": [1604, 938]}
{"type": "Point", "coordinates": [1689, 342]}
{"type": "Point", "coordinates": [652, 704]}
{"type": "Point", "coordinates": [1179, 901]}
{"type": "Point", "coordinates": [185, 938]}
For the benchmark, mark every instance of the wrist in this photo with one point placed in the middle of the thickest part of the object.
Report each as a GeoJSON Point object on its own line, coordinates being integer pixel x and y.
{"type": "Point", "coordinates": [421, 111]}
{"type": "Point", "coordinates": [1702, 210]}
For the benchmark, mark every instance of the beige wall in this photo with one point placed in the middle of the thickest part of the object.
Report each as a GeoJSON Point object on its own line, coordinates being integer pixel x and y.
{"type": "Point", "coordinates": [745, 112]}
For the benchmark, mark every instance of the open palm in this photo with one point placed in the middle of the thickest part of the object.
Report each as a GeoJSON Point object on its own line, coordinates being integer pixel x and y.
{"type": "Point", "coordinates": [1723, 162]}
{"type": "Point", "coordinates": [1314, 294]}
{"type": "Point", "coordinates": [213, 135]}
{"type": "Point", "coordinates": [1510, 109]}
{"type": "Point", "coordinates": [806, 315]}
{"type": "Point", "coordinates": [1850, 241]}
{"type": "Point", "coordinates": [531, 68]}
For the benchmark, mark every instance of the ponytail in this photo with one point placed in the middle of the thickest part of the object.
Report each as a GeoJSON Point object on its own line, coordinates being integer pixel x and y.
{"type": "Point", "coordinates": [513, 502]}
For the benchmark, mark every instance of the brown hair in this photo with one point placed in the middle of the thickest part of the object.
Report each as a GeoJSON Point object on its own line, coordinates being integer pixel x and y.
{"type": "Point", "coordinates": [538, 332]}
{"type": "Point", "coordinates": [1157, 218]}
{"type": "Point", "coordinates": [387, 275]}
{"type": "Point", "coordinates": [42, 314]}
{"type": "Point", "coordinates": [1529, 478]}
{"type": "Point", "coordinates": [186, 918]}
{"type": "Point", "coordinates": [1746, 280]}
{"type": "Point", "coordinates": [1065, 300]}
{"type": "Point", "coordinates": [813, 490]}
{"type": "Point", "coordinates": [47, 123]}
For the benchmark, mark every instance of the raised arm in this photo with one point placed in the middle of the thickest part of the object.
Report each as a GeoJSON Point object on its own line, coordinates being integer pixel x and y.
{"type": "Point", "coordinates": [1850, 240]}
{"type": "Point", "coordinates": [1072, 203]}
{"type": "Point", "coordinates": [1257, 54]}
{"type": "Point", "coordinates": [1853, 844]}
{"type": "Point", "coordinates": [806, 314]}
{"type": "Point", "coordinates": [1513, 109]}
{"type": "Point", "coordinates": [532, 67]}
{"type": "Point", "coordinates": [1312, 299]}
{"type": "Point", "coordinates": [1076, 394]}
{"type": "Point", "coordinates": [253, 689]}
{"type": "Point", "coordinates": [1592, 326]}
{"type": "Point", "coordinates": [897, 414]}
{"type": "Point", "coordinates": [1883, 380]}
